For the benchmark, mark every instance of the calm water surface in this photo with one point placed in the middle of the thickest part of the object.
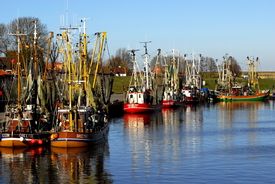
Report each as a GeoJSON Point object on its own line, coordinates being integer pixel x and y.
{"type": "Point", "coordinates": [206, 143]}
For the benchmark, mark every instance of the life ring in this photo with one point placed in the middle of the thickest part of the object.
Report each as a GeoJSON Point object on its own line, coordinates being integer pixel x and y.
{"type": "Point", "coordinates": [54, 136]}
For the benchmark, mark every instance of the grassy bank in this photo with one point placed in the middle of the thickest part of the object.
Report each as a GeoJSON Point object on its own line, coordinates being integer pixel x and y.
{"type": "Point", "coordinates": [120, 83]}
{"type": "Point", "coordinates": [123, 82]}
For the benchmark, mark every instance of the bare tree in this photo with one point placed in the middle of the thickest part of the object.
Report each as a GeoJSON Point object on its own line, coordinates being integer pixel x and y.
{"type": "Point", "coordinates": [33, 42]}
{"type": "Point", "coordinates": [54, 52]}
{"type": "Point", "coordinates": [121, 59]}
{"type": "Point", "coordinates": [26, 25]}
{"type": "Point", "coordinates": [125, 56]}
{"type": "Point", "coordinates": [204, 64]}
{"type": "Point", "coordinates": [235, 68]}
{"type": "Point", "coordinates": [5, 39]}
{"type": "Point", "coordinates": [116, 62]}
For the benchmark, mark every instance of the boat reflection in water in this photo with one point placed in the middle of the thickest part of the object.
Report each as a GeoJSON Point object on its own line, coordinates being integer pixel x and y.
{"type": "Point", "coordinates": [193, 115]}
{"type": "Point", "coordinates": [80, 165]}
{"type": "Point", "coordinates": [171, 116]}
{"type": "Point", "coordinates": [248, 111]}
{"type": "Point", "coordinates": [135, 120]}
{"type": "Point", "coordinates": [235, 111]}
{"type": "Point", "coordinates": [54, 165]}
{"type": "Point", "coordinates": [15, 151]}
{"type": "Point", "coordinates": [21, 164]}
{"type": "Point", "coordinates": [241, 105]}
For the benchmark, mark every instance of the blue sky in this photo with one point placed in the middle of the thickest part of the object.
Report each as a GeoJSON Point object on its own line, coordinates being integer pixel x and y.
{"type": "Point", "coordinates": [212, 28]}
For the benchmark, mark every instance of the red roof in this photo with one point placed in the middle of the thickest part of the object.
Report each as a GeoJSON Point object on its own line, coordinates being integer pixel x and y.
{"type": "Point", "coordinates": [157, 69]}
{"type": "Point", "coordinates": [57, 66]}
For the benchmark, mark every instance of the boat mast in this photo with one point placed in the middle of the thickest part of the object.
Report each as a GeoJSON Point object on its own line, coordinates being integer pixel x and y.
{"type": "Point", "coordinates": [66, 37]}
{"type": "Point", "coordinates": [193, 70]}
{"type": "Point", "coordinates": [135, 65]}
{"type": "Point", "coordinates": [252, 69]}
{"type": "Point", "coordinates": [166, 71]}
{"type": "Point", "coordinates": [146, 56]}
{"type": "Point", "coordinates": [173, 83]}
{"type": "Point", "coordinates": [103, 37]}
{"type": "Point", "coordinates": [48, 54]}
{"type": "Point", "coordinates": [18, 34]}
{"type": "Point", "coordinates": [85, 76]}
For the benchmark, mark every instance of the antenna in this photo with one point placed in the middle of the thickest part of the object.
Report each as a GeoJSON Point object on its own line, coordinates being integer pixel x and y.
{"type": "Point", "coordinates": [67, 17]}
{"type": "Point", "coordinates": [84, 22]}
{"type": "Point", "coordinates": [146, 63]}
{"type": "Point", "coordinates": [145, 46]}
{"type": "Point", "coordinates": [133, 52]}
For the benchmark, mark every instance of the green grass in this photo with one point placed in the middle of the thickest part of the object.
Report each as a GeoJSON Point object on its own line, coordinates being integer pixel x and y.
{"type": "Point", "coordinates": [120, 83]}
{"type": "Point", "coordinates": [267, 84]}
{"type": "Point", "coordinates": [123, 82]}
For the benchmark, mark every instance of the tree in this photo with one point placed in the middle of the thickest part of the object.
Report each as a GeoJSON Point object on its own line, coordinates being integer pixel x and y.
{"type": "Point", "coordinates": [235, 67]}
{"type": "Point", "coordinates": [204, 64]}
{"type": "Point", "coordinates": [122, 59]}
{"type": "Point", "coordinates": [26, 25]}
{"type": "Point", "coordinates": [125, 56]}
{"type": "Point", "coordinates": [54, 52]}
{"type": "Point", "coordinates": [5, 39]}
{"type": "Point", "coordinates": [116, 62]}
{"type": "Point", "coordinates": [24, 28]}
{"type": "Point", "coordinates": [208, 64]}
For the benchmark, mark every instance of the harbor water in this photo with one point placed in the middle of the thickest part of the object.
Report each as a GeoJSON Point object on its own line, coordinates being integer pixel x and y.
{"type": "Point", "coordinates": [225, 142]}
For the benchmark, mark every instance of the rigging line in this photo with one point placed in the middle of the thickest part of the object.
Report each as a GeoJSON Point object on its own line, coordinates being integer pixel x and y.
{"type": "Point", "coordinates": [104, 50]}
{"type": "Point", "coordinates": [108, 49]}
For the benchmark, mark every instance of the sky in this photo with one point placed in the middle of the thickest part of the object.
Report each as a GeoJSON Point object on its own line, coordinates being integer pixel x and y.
{"type": "Point", "coordinates": [212, 28]}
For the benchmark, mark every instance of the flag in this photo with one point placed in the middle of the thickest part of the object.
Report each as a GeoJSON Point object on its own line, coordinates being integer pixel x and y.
{"type": "Point", "coordinates": [27, 46]}
{"type": "Point", "coordinates": [12, 61]}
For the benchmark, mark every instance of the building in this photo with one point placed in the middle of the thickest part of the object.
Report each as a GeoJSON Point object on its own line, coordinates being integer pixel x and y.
{"type": "Point", "coordinates": [119, 71]}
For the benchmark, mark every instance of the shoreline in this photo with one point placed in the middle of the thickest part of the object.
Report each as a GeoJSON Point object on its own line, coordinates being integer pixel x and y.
{"type": "Point", "coordinates": [119, 97]}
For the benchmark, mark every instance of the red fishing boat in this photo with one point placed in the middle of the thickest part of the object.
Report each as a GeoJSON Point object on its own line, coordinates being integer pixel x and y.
{"type": "Point", "coordinates": [140, 102]}
{"type": "Point", "coordinates": [142, 96]}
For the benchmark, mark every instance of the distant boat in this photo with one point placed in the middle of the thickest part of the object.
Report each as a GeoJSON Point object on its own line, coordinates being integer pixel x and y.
{"type": "Point", "coordinates": [172, 97]}
{"type": "Point", "coordinates": [191, 90]}
{"type": "Point", "coordinates": [82, 118]}
{"type": "Point", "coordinates": [192, 94]}
{"type": "Point", "coordinates": [142, 96]}
{"type": "Point", "coordinates": [251, 97]}
{"type": "Point", "coordinates": [249, 92]}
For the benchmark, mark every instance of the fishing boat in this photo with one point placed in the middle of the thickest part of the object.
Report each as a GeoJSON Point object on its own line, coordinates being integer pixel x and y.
{"type": "Point", "coordinates": [82, 117]}
{"type": "Point", "coordinates": [172, 97]}
{"type": "Point", "coordinates": [249, 92]}
{"type": "Point", "coordinates": [24, 124]}
{"type": "Point", "coordinates": [191, 90]}
{"type": "Point", "coordinates": [143, 94]}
